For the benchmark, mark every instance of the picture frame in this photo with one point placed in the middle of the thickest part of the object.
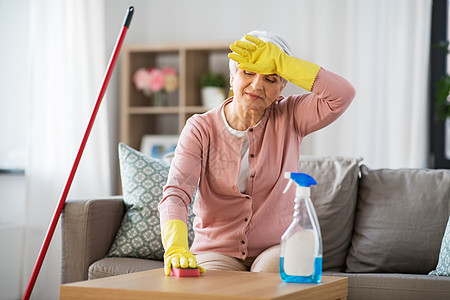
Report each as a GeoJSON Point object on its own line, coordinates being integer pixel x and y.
{"type": "Point", "coordinates": [158, 145]}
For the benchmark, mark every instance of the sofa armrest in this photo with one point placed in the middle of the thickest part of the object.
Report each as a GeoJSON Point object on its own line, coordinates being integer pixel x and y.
{"type": "Point", "coordinates": [88, 230]}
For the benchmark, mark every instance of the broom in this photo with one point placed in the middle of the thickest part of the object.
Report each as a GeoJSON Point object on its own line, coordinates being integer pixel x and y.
{"type": "Point", "coordinates": [62, 200]}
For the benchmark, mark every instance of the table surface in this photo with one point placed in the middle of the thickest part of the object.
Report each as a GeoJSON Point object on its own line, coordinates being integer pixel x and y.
{"type": "Point", "coordinates": [210, 285]}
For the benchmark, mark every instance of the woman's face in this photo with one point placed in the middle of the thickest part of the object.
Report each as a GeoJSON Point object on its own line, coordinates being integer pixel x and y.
{"type": "Point", "coordinates": [255, 91]}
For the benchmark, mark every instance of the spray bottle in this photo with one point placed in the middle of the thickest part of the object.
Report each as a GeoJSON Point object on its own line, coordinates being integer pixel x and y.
{"type": "Point", "coordinates": [301, 244]}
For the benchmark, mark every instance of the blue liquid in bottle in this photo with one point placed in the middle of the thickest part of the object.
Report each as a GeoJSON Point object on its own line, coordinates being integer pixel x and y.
{"type": "Point", "coordinates": [313, 278]}
{"type": "Point", "coordinates": [301, 244]}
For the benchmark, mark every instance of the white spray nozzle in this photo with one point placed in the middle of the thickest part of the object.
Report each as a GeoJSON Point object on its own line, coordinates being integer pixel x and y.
{"type": "Point", "coordinates": [302, 180]}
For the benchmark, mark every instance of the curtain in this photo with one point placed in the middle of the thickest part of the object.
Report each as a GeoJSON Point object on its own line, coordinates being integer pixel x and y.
{"type": "Point", "coordinates": [67, 62]}
{"type": "Point", "coordinates": [382, 47]}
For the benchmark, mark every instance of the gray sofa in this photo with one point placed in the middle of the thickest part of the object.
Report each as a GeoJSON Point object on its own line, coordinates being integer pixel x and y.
{"type": "Point", "coordinates": [380, 228]}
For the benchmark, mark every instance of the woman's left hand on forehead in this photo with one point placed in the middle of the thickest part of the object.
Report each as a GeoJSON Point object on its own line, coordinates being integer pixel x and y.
{"type": "Point", "coordinates": [258, 56]}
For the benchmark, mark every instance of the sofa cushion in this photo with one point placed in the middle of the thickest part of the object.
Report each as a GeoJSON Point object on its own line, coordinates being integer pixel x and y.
{"type": "Point", "coordinates": [443, 267]}
{"type": "Point", "coordinates": [112, 266]}
{"type": "Point", "coordinates": [334, 199]}
{"type": "Point", "coordinates": [143, 178]}
{"type": "Point", "coordinates": [400, 220]}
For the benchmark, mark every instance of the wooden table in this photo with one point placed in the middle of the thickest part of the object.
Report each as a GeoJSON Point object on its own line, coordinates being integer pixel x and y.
{"type": "Point", "coordinates": [210, 285]}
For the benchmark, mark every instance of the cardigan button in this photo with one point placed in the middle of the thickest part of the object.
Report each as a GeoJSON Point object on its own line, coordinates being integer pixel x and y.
{"type": "Point", "coordinates": [246, 219]}
{"type": "Point", "coordinates": [251, 155]}
{"type": "Point", "coordinates": [251, 129]}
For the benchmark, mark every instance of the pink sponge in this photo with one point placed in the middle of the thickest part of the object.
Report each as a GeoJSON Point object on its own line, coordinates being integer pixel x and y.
{"type": "Point", "coordinates": [179, 272]}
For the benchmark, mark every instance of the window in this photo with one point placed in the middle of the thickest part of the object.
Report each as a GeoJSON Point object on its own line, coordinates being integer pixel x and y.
{"type": "Point", "coordinates": [14, 78]}
{"type": "Point", "coordinates": [439, 131]}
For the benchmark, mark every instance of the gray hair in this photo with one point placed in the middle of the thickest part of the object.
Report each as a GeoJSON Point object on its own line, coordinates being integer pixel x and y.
{"type": "Point", "coordinates": [273, 38]}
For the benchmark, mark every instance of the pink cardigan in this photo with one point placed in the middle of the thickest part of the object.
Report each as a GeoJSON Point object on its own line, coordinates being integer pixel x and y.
{"type": "Point", "coordinates": [208, 155]}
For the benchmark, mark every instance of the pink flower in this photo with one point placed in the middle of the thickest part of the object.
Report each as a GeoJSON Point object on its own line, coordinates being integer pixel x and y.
{"type": "Point", "coordinates": [156, 82]}
{"type": "Point", "coordinates": [169, 71]}
{"type": "Point", "coordinates": [141, 79]}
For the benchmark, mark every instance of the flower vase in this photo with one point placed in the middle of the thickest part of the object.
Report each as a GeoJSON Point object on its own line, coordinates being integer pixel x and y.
{"type": "Point", "coordinates": [159, 99]}
{"type": "Point", "coordinates": [147, 92]}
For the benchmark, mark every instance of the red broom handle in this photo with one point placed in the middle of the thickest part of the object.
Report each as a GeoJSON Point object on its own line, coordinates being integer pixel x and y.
{"type": "Point", "coordinates": [62, 200]}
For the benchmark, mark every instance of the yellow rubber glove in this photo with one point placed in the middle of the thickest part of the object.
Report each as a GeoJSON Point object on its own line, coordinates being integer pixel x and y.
{"type": "Point", "coordinates": [174, 236]}
{"type": "Point", "coordinates": [266, 58]}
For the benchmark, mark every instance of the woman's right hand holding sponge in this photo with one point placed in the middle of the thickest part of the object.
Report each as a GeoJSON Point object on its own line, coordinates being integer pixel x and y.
{"type": "Point", "coordinates": [174, 236]}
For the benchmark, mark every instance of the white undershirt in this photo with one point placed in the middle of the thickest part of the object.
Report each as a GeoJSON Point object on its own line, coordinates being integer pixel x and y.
{"type": "Point", "coordinates": [244, 170]}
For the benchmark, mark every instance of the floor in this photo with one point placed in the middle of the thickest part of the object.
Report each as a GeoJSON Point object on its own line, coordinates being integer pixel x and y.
{"type": "Point", "coordinates": [12, 218]}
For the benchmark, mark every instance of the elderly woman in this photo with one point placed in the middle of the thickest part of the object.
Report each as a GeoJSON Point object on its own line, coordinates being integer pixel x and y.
{"type": "Point", "coordinates": [236, 155]}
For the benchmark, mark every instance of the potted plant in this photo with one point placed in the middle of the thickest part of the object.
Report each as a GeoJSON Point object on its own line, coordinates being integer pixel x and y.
{"type": "Point", "coordinates": [442, 98]}
{"type": "Point", "coordinates": [442, 92]}
{"type": "Point", "coordinates": [213, 89]}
